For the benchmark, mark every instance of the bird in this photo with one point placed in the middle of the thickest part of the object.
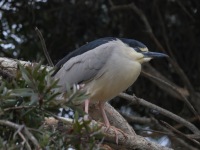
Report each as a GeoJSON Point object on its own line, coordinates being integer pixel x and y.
{"type": "Point", "coordinates": [104, 68]}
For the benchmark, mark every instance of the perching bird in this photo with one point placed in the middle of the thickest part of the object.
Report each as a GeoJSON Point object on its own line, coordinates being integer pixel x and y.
{"type": "Point", "coordinates": [104, 67]}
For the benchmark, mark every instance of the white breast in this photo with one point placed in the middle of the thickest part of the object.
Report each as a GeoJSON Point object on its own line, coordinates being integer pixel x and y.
{"type": "Point", "coordinates": [119, 73]}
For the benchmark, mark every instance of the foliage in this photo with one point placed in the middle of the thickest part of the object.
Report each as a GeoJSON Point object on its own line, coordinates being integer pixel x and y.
{"type": "Point", "coordinates": [66, 25]}
{"type": "Point", "coordinates": [27, 101]}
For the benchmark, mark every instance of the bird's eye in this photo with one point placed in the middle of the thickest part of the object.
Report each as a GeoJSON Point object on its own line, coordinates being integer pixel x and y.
{"type": "Point", "coordinates": [137, 49]}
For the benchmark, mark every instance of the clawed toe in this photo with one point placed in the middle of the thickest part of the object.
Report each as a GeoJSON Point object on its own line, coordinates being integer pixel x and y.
{"type": "Point", "coordinates": [116, 130]}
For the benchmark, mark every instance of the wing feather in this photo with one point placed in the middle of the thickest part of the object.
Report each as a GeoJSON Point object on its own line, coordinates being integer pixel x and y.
{"type": "Point", "coordinates": [83, 68]}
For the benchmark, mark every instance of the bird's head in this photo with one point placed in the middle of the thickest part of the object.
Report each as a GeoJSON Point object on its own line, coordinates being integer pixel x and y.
{"type": "Point", "coordinates": [140, 52]}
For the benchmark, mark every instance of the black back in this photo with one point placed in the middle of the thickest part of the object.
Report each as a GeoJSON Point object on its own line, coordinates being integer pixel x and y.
{"type": "Point", "coordinates": [91, 45]}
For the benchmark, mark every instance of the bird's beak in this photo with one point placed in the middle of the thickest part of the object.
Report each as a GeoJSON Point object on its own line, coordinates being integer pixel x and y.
{"type": "Point", "coordinates": [154, 55]}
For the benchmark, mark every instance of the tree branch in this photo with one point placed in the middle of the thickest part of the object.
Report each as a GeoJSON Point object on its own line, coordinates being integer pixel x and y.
{"type": "Point", "coordinates": [24, 130]}
{"type": "Point", "coordinates": [129, 142]}
{"type": "Point", "coordinates": [178, 133]}
{"type": "Point", "coordinates": [44, 47]}
{"type": "Point", "coordinates": [135, 100]}
{"type": "Point", "coordinates": [174, 88]}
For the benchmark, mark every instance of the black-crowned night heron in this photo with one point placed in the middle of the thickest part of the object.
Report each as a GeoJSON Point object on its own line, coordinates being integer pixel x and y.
{"type": "Point", "coordinates": [104, 67]}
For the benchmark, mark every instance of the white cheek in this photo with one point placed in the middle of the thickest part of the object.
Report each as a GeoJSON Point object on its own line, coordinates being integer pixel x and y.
{"type": "Point", "coordinates": [146, 59]}
{"type": "Point", "coordinates": [136, 56]}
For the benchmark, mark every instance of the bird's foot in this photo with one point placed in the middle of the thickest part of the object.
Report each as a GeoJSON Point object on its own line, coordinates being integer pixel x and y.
{"type": "Point", "coordinates": [116, 130]}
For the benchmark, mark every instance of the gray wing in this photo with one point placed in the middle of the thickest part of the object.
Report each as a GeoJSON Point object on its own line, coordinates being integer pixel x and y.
{"type": "Point", "coordinates": [83, 68]}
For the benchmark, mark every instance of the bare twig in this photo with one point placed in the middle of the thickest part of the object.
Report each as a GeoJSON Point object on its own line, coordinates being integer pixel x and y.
{"type": "Point", "coordinates": [164, 33]}
{"type": "Point", "coordinates": [185, 10]}
{"type": "Point", "coordinates": [178, 126]}
{"type": "Point", "coordinates": [152, 71]}
{"type": "Point", "coordinates": [135, 100]}
{"type": "Point", "coordinates": [175, 89]}
{"type": "Point", "coordinates": [31, 137]}
{"type": "Point", "coordinates": [18, 130]}
{"type": "Point", "coordinates": [25, 131]}
{"type": "Point", "coordinates": [180, 134]}
{"type": "Point", "coordinates": [140, 120]}
{"type": "Point", "coordinates": [144, 120]}
{"type": "Point", "coordinates": [19, 107]}
{"type": "Point", "coordinates": [182, 142]}
{"type": "Point", "coordinates": [44, 47]}
{"type": "Point", "coordinates": [28, 147]}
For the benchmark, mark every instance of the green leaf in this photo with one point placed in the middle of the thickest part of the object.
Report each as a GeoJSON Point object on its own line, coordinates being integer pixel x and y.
{"type": "Point", "coordinates": [25, 74]}
{"type": "Point", "coordinates": [34, 99]}
{"type": "Point", "coordinates": [23, 92]}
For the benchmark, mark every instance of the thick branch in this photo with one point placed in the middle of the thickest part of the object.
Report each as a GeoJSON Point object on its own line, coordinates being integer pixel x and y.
{"type": "Point", "coordinates": [114, 117]}
{"type": "Point", "coordinates": [125, 142]}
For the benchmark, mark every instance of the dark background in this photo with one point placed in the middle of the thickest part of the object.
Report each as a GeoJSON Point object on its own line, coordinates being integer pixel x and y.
{"type": "Point", "coordinates": [66, 25]}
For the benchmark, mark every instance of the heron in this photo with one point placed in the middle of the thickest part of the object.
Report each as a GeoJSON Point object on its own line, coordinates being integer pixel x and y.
{"type": "Point", "coordinates": [104, 67]}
